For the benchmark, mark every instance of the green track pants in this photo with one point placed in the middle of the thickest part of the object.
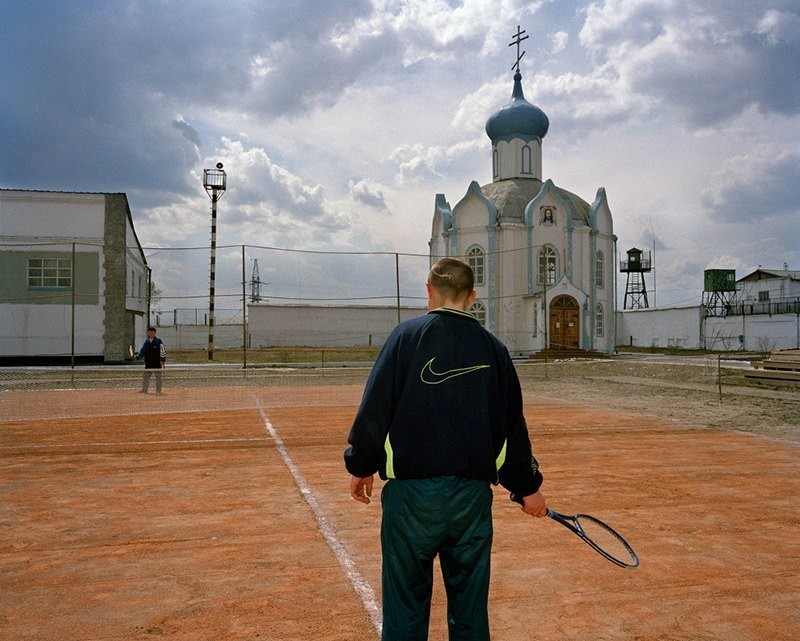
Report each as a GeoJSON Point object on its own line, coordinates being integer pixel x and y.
{"type": "Point", "coordinates": [448, 517]}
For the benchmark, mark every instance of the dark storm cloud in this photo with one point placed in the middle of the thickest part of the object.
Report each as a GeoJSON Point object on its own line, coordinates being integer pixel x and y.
{"type": "Point", "coordinates": [709, 61]}
{"type": "Point", "coordinates": [97, 87]}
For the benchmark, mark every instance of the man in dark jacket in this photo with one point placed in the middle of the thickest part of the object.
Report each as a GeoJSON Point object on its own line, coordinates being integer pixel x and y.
{"type": "Point", "coordinates": [155, 358]}
{"type": "Point", "coordinates": [440, 420]}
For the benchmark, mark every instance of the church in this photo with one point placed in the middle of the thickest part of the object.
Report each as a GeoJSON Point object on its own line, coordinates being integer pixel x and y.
{"type": "Point", "coordinates": [544, 259]}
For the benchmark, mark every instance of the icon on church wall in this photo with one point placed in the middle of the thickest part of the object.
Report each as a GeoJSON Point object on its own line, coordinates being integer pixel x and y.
{"type": "Point", "coordinates": [547, 216]}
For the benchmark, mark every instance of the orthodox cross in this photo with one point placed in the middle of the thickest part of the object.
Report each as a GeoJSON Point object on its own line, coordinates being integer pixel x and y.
{"type": "Point", "coordinates": [518, 38]}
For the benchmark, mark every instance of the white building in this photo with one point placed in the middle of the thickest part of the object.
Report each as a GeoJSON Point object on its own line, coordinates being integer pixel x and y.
{"type": "Point", "coordinates": [544, 258]}
{"type": "Point", "coordinates": [762, 314]}
{"type": "Point", "coordinates": [768, 291]}
{"type": "Point", "coordinates": [75, 278]}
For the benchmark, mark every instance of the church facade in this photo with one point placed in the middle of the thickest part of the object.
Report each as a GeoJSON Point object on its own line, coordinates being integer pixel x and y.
{"type": "Point", "coordinates": [544, 259]}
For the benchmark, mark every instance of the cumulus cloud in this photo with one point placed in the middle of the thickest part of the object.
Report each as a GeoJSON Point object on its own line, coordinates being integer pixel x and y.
{"type": "Point", "coordinates": [371, 195]}
{"type": "Point", "coordinates": [710, 61]}
{"type": "Point", "coordinates": [323, 113]}
{"type": "Point", "coordinates": [762, 185]}
{"type": "Point", "coordinates": [559, 42]}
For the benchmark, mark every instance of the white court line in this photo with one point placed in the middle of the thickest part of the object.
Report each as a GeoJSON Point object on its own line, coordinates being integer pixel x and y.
{"type": "Point", "coordinates": [110, 443]}
{"type": "Point", "coordinates": [360, 585]}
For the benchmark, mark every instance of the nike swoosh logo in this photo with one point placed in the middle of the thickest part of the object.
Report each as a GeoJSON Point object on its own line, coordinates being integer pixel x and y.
{"type": "Point", "coordinates": [431, 377]}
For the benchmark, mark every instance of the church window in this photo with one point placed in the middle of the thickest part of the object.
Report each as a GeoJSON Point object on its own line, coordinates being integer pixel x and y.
{"type": "Point", "coordinates": [599, 268]}
{"type": "Point", "coordinates": [495, 163]}
{"type": "Point", "coordinates": [478, 310]}
{"type": "Point", "coordinates": [599, 320]}
{"type": "Point", "coordinates": [526, 160]}
{"type": "Point", "coordinates": [477, 260]}
{"type": "Point", "coordinates": [548, 266]}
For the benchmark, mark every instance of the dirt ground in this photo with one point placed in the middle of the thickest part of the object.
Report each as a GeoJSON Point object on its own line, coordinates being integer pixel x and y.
{"type": "Point", "coordinates": [191, 516]}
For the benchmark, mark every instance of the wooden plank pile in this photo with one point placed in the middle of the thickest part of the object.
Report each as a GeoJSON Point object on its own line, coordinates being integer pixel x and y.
{"type": "Point", "coordinates": [781, 368]}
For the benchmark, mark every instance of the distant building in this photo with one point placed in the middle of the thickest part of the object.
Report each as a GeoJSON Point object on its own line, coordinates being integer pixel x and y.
{"type": "Point", "coordinates": [544, 258]}
{"type": "Point", "coordinates": [761, 314]}
{"type": "Point", "coordinates": [767, 291]}
{"type": "Point", "coordinates": [75, 279]}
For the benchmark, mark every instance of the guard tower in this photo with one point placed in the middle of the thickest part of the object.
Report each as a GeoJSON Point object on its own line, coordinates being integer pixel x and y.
{"type": "Point", "coordinates": [719, 285]}
{"type": "Point", "coordinates": [638, 264]}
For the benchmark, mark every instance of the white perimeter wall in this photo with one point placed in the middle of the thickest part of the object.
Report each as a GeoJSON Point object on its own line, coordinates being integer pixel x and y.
{"type": "Point", "coordinates": [684, 327]}
{"type": "Point", "coordinates": [761, 333]}
{"type": "Point", "coordinates": [668, 327]}
{"type": "Point", "coordinates": [275, 325]}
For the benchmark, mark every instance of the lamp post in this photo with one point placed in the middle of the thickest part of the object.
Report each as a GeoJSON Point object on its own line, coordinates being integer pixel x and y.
{"type": "Point", "coordinates": [214, 181]}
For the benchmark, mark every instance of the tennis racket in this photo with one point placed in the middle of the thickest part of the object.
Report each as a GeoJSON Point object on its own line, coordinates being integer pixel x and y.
{"type": "Point", "coordinates": [602, 538]}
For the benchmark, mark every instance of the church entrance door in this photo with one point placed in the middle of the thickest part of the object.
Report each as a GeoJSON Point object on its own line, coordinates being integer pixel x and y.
{"type": "Point", "coordinates": [564, 323]}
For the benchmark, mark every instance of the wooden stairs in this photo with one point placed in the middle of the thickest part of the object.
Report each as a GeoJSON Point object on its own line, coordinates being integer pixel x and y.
{"type": "Point", "coordinates": [781, 368]}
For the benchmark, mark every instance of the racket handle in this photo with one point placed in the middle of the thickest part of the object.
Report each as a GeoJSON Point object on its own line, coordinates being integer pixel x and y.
{"type": "Point", "coordinates": [521, 501]}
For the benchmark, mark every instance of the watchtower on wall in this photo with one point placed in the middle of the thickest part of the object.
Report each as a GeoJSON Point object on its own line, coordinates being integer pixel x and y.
{"type": "Point", "coordinates": [719, 286]}
{"type": "Point", "coordinates": [636, 266]}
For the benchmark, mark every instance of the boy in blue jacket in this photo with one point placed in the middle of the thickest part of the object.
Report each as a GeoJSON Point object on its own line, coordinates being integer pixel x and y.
{"type": "Point", "coordinates": [155, 358]}
{"type": "Point", "coordinates": [441, 421]}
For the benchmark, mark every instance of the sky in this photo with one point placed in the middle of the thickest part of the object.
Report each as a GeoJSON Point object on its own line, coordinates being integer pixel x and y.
{"type": "Point", "coordinates": [339, 121]}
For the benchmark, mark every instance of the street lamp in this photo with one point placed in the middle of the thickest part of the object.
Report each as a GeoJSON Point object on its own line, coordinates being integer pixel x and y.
{"type": "Point", "coordinates": [214, 181]}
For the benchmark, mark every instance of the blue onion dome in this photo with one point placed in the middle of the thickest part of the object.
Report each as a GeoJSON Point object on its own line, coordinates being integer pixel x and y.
{"type": "Point", "coordinates": [518, 119]}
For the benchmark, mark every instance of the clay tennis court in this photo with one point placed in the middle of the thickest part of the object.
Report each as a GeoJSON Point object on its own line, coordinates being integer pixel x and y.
{"type": "Point", "coordinates": [221, 512]}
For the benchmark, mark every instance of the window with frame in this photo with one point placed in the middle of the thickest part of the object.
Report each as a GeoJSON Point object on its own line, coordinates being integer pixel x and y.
{"type": "Point", "coordinates": [599, 320]}
{"type": "Point", "coordinates": [599, 268]}
{"type": "Point", "coordinates": [763, 296]}
{"type": "Point", "coordinates": [548, 266]}
{"type": "Point", "coordinates": [527, 162]}
{"type": "Point", "coordinates": [477, 260]}
{"type": "Point", "coordinates": [478, 310]}
{"type": "Point", "coordinates": [50, 272]}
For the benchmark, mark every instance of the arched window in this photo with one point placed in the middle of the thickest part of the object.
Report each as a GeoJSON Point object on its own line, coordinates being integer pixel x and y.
{"type": "Point", "coordinates": [548, 266]}
{"type": "Point", "coordinates": [599, 269]}
{"type": "Point", "coordinates": [599, 320]}
{"type": "Point", "coordinates": [495, 163]}
{"type": "Point", "coordinates": [526, 160]}
{"type": "Point", "coordinates": [478, 310]}
{"type": "Point", "coordinates": [477, 260]}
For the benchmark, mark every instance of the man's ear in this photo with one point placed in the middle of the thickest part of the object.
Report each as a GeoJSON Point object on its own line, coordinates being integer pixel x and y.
{"type": "Point", "coordinates": [431, 296]}
{"type": "Point", "coordinates": [471, 298]}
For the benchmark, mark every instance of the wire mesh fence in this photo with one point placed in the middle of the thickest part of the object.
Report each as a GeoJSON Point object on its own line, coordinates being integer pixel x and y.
{"type": "Point", "coordinates": [254, 274]}
{"type": "Point", "coordinates": [711, 374]}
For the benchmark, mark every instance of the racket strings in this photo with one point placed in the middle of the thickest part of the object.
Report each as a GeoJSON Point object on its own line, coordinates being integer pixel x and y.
{"type": "Point", "coordinates": [605, 538]}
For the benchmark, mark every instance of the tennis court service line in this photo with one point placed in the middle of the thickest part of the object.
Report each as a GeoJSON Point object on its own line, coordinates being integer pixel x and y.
{"type": "Point", "coordinates": [192, 441]}
{"type": "Point", "coordinates": [360, 585]}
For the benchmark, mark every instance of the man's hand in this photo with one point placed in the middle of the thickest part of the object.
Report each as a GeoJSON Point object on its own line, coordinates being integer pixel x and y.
{"type": "Point", "coordinates": [361, 488]}
{"type": "Point", "coordinates": [534, 504]}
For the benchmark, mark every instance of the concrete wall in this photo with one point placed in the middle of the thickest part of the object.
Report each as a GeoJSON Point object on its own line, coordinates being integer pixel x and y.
{"type": "Point", "coordinates": [761, 333]}
{"type": "Point", "coordinates": [275, 325]}
{"type": "Point", "coordinates": [679, 327]}
{"type": "Point", "coordinates": [685, 328]}
{"type": "Point", "coordinates": [195, 337]}
{"type": "Point", "coordinates": [668, 327]}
